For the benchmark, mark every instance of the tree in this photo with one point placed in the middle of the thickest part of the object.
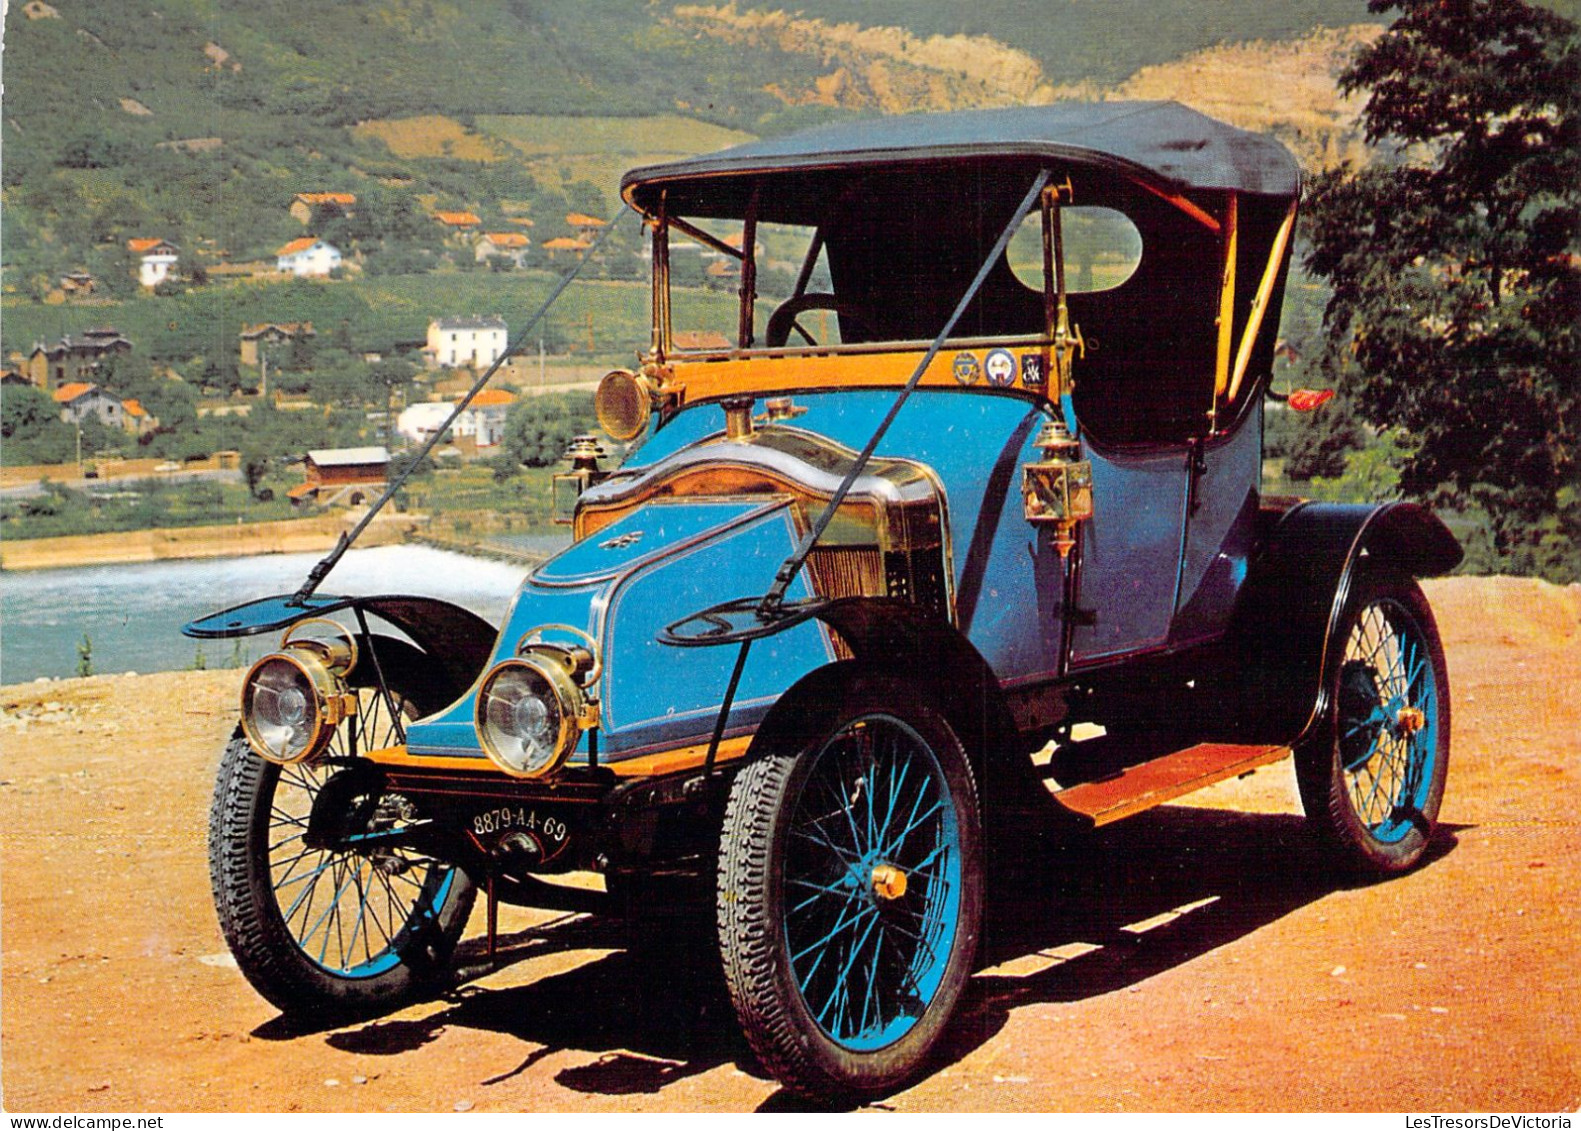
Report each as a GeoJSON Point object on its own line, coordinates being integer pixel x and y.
{"type": "Point", "coordinates": [1455, 258]}
{"type": "Point", "coordinates": [538, 429]}
{"type": "Point", "coordinates": [26, 411]}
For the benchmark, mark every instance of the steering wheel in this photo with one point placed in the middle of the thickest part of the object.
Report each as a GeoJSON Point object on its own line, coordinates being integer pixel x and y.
{"type": "Point", "coordinates": [783, 320]}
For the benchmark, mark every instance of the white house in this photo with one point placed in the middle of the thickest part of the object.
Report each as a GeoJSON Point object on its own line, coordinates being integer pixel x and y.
{"type": "Point", "coordinates": [418, 422]}
{"type": "Point", "coordinates": [514, 246]}
{"type": "Point", "coordinates": [158, 259]}
{"type": "Point", "coordinates": [307, 256]}
{"type": "Point", "coordinates": [483, 420]}
{"type": "Point", "coordinates": [80, 401]}
{"type": "Point", "coordinates": [472, 340]}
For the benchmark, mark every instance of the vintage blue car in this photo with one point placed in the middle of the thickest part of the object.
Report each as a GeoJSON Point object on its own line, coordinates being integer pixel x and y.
{"type": "Point", "coordinates": [948, 520]}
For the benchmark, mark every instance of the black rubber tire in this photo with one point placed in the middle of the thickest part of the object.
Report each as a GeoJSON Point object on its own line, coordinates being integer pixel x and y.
{"type": "Point", "coordinates": [251, 918]}
{"type": "Point", "coordinates": [751, 900]}
{"type": "Point", "coordinates": [1348, 836]}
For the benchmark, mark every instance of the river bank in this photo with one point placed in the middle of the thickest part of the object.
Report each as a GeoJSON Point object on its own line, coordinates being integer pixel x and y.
{"type": "Point", "coordinates": [243, 539]}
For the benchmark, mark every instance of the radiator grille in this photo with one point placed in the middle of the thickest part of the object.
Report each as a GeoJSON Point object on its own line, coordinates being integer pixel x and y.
{"type": "Point", "coordinates": [846, 572]}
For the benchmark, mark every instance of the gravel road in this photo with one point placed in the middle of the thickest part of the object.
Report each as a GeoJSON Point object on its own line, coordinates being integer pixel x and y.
{"type": "Point", "coordinates": [1193, 958]}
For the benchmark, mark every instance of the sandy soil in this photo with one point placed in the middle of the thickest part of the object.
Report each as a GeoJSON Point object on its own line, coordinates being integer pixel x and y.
{"type": "Point", "coordinates": [1193, 958]}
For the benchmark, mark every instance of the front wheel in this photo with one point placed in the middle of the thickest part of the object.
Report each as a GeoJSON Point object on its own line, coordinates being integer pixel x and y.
{"type": "Point", "coordinates": [850, 890]}
{"type": "Point", "coordinates": [1372, 775]}
{"type": "Point", "coordinates": [324, 905]}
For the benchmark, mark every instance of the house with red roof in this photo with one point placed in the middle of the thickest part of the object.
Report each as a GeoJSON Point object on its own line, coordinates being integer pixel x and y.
{"type": "Point", "coordinates": [514, 246]}
{"type": "Point", "coordinates": [565, 245]}
{"type": "Point", "coordinates": [459, 223]}
{"type": "Point", "coordinates": [80, 401]}
{"type": "Point", "coordinates": [306, 207]}
{"type": "Point", "coordinates": [307, 256]}
{"type": "Point", "coordinates": [157, 259]}
{"type": "Point", "coordinates": [586, 227]}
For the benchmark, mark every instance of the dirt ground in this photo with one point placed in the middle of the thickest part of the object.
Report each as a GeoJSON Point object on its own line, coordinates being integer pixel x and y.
{"type": "Point", "coordinates": [1193, 958]}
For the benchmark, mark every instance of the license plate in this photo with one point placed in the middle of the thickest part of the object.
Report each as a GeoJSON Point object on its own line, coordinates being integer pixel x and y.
{"type": "Point", "coordinates": [549, 832]}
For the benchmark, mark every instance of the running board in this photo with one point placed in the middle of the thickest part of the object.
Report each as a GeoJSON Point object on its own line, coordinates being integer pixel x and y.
{"type": "Point", "coordinates": [1141, 787]}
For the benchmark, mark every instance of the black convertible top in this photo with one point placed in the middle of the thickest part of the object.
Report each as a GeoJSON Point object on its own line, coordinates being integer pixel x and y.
{"type": "Point", "coordinates": [1166, 143]}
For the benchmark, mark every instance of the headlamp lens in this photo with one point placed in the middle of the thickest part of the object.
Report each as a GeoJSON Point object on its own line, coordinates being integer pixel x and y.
{"type": "Point", "coordinates": [281, 709]}
{"type": "Point", "coordinates": [523, 720]}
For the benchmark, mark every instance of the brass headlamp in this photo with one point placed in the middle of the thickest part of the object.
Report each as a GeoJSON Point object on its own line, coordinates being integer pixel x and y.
{"type": "Point", "coordinates": [293, 699]}
{"type": "Point", "coordinates": [531, 709]}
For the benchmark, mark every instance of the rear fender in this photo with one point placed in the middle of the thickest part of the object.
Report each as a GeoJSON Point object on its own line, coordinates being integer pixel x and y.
{"type": "Point", "coordinates": [1281, 639]}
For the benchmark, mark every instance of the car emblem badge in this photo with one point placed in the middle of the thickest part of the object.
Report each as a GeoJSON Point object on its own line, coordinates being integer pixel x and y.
{"type": "Point", "coordinates": [1032, 370]}
{"type": "Point", "coordinates": [621, 541]}
{"type": "Point", "coordinates": [1001, 368]}
{"type": "Point", "coordinates": [967, 370]}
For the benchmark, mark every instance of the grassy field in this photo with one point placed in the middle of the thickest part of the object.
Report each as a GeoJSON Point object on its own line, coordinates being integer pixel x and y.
{"type": "Point", "coordinates": [429, 135]}
{"type": "Point", "coordinates": [601, 149]}
{"type": "Point", "coordinates": [538, 135]}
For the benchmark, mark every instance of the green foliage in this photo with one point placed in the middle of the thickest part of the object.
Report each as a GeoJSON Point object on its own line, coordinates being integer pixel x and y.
{"type": "Point", "coordinates": [1457, 290]}
{"type": "Point", "coordinates": [31, 430]}
{"type": "Point", "coordinates": [1365, 475]}
{"type": "Point", "coordinates": [24, 411]}
{"type": "Point", "coordinates": [85, 656]}
{"type": "Point", "coordinates": [1318, 444]}
{"type": "Point", "coordinates": [539, 429]}
{"type": "Point", "coordinates": [140, 505]}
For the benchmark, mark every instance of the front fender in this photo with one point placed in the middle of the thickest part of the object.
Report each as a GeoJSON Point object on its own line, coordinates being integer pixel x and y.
{"type": "Point", "coordinates": [1280, 639]}
{"type": "Point", "coordinates": [948, 672]}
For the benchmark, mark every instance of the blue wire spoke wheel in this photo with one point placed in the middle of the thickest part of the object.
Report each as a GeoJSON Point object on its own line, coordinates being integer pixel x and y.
{"type": "Point", "coordinates": [851, 889]}
{"type": "Point", "coordinates": [325, 905]}
{"type": "Point", "coordinates": [1372, 778]}
{"type": "Point", "coordinates": [352, 909]}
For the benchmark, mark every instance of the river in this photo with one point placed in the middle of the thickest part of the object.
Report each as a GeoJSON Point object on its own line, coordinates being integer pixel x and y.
{"type": "Point", "coordinates": [132, 614]}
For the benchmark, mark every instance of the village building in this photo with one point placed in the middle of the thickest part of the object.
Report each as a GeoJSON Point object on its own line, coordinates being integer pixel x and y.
{"type": "Point", "coordinates": [459, 224]}
{"type": "Point", "coordinates": [481, 425]}
{"type": "Point", "coordinates": [136, 419]}
{"type": "Point", "coordinates": [472, 341]}
{"type": "Point", "coordinates": [74, 358]}
{"type": "Point", "coordinates": [80, 401]}
{"type": "Point", "coordinates": [157, 260]}
{"type": "Point", "coordinates": [586, 227]}
{"type": "Point", "coordinates": [13, 377]}
{"type": "Point", "coordinates": [345, 476]}
{"type": "Point", "coordinates": [565, 245]}
{"type": "Point", "coordinates": [484, 420]}
{"type": "Point", "coordinates": [260, 337]}
{"type": "Point", "coordinates": [76, 284]}
{"type": "Point", "coordinates": [513, 246]}
{"type": "Point", "coordinates": [308, 207]}
{"type": "Point", "coordinates": [308, 256]}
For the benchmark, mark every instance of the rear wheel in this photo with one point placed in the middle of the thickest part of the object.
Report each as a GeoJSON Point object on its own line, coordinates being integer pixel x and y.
{"type": "Point", "coordinates": [1372, 777]}
{"type": "Point", "coordinates": [850, 891]}
{"type": "Point", "coordinates": [323, 904]}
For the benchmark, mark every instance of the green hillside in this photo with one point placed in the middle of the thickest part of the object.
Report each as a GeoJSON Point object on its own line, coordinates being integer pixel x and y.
{"type": "Point", "coordinates": [1102, 42]}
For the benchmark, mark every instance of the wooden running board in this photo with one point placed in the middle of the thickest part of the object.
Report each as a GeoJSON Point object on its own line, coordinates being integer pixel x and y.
{"type": "Point", "coordinates": [1143, 786]}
